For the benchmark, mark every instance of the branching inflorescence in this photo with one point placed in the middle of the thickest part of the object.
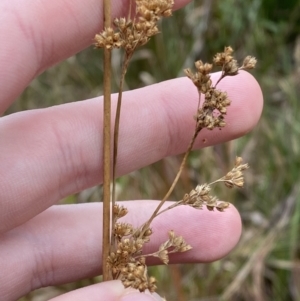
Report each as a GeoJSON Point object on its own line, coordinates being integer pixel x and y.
{"type": "Point", "coordinates": [212, 112]}
{"type": "Point", "coordinates": [126, 260]}
{"type": "Point", "coordinates": [130, 34]}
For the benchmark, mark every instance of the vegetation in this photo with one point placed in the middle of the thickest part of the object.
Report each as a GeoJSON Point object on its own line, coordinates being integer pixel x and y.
{"type": "Point", "coordinates": [266, 263]}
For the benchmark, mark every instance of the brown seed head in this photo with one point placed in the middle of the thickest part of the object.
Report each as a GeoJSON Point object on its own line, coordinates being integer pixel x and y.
{"type": "Point", "coordinates": [225, 59]}
{"type": "Point", "coordinates": [249, 62]}
{"type": "Point", "coordinates": [134, 275]}
{"type": "Point", "coordinates": [236, 177]}
{"type": "Point", "coordinates": [222, 205]}
{"type": "Point", "coordinates": [159, 8]}
{"type": "Point", "coordinates": [108, 39]}
{"type": "Point", "coordinates": [200, 78]}
{"type": "Point", "coordinates": [231, 68]}
{"type": "Point", "coordinates": [119, 211]}
{"type": "Point", "coordinates": [163, 256]}
{"type": "Point", "coordinates": [122, 229]}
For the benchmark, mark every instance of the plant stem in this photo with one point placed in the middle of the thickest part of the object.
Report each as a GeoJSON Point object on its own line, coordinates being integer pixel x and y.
{"type": "Point", "coordinates": [221, 77]}
{"type": "Point", "coordinates": [116, 139]}
{"type": "Point", "coordinates": [156, 212]}
{"type": "Point", "coordinates": [106, 146]}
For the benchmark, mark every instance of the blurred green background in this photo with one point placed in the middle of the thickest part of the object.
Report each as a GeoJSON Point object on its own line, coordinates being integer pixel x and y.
{"type": "Point", "coordinates": [266, 263]}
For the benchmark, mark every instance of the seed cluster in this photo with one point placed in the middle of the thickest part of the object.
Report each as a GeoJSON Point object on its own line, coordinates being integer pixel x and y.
{"type": "Point", "coordinates": [126, 260]}
{"type": "Point", "coordinates": [235, 176]}
{"type": "Point", "coordinates": [173, 245]}
{"type": "Point", "coordinates": [201, 195]}
{"type": "Point", "coordinates": [214, 108]}
{"type": "Point", "coordinates": [130, 34]}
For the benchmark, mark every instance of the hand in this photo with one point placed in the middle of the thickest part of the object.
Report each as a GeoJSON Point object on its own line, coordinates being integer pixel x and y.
{"type": "Point", "coordinates": [48, 154]}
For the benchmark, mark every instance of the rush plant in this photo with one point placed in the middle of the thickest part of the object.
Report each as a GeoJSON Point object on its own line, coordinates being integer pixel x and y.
{"type": "Point", "coordinates": [123, 256]}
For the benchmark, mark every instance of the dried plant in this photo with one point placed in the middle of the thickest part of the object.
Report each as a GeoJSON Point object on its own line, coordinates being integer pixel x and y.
{"type": "Point", "coordinates": [129, 34]}
{"type": "Point", "coordinates": [126, 260]}
{"type": "Point", "coordinates": [128, 263]}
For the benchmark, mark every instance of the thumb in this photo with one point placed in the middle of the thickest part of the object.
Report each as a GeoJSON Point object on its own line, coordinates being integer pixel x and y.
{"type": "Point", "coordinates": [108, 291]}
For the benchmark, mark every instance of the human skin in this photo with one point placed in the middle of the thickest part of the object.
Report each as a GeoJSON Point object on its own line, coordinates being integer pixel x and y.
{"type": "Point", "coordinates": [48, 154]}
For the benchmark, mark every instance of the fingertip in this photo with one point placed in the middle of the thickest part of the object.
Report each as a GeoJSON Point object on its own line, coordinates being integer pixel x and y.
{"type": "Point", "coordinates": [222, 233]}
{"type": "Point", "coordinates": [137, 296]}
{"type": "Point", "coordinates": [247, 102]}
{"type": "Point", "coordinates": [108, 290]}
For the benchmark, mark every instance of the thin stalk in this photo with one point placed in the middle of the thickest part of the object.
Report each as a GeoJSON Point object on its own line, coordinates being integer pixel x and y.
{"type": "Point", "coordinates": [130, 10]}
{"type": "Point", "coordinates": [116, 138]}
{"type": "Point", "coordinates": [197, 131]}
{"type": "Point", "coordinates": [106, 146]}
{"type": "Point", "coordinates": [221, 77]}
{"type": "Point", "coordinates": [155, 213]}
{"type": "Point", "coordinates": [170, 207]}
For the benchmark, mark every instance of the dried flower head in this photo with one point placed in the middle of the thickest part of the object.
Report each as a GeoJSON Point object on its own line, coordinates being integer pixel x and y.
{"type": "Point", "coordinates": [201, 78]}
{"type": "Point", "coordinates": [119, 211]}
{"type": "Point", "coordinates": [235, 177]}
{"type": "Point", "coordinates": [108, 39]}
{"type": "Point", "coordinates": [200, 196]}
{"type": "Point", "coordinates": [135, 275]}
{"type": "Point", "coordinates": [130, 34]}
{"type": "Point", "coordinates": [212, 112]}
{"type": "Point", "coordinates": [122, 229]}
{"type": "Point", "coordinates": [249, 62]}
{"type": "Point", "coordinates": [223, 58]}
{"type": "Point", "coordinates": [173, 245]}
{"type": "Point", "coordinates": [157, 8]}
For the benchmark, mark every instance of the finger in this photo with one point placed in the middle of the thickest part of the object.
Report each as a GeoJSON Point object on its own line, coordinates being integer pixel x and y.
{"type": "Point", "coordinates": [63, 244]}
{"type": "Point", "coordinates": [108, 291]}
{"type": "Point", "coordinates": [49, 154]}
{"type": "Point", "coordinates": [39, 34]}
